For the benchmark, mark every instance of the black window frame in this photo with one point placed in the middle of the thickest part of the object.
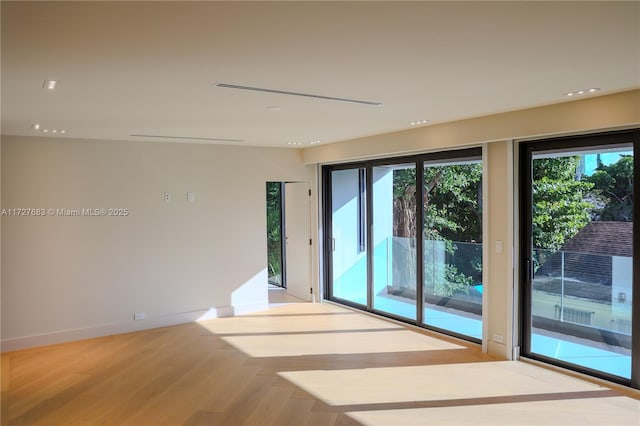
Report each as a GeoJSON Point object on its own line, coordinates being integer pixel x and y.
{"type": "Point", "coordinates": [526, 152]}
{"type": "Point", "coordinates": [419, 160]}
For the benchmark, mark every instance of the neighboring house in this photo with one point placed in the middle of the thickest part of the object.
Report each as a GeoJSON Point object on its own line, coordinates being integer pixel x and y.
{"type": "Point", "coordinates": [597, 266]}
{"type": "Point", "coordinates": [589, 256]}
{"type": "Point", "coordinates": [605, 238]}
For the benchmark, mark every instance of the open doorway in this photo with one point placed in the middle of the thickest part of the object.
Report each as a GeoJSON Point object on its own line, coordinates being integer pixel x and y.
{"type": "Point", "coordinates": [288, 241]}
{"type": "Point", "coordinates": [276, 269]}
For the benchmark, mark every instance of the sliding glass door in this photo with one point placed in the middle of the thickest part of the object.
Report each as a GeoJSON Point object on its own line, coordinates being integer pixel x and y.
{"type": "Point", "coordinates": [394, 239]}
{"type": "Point", "coordinates": [347, 244]}
{"type": "Point", "coordinates": [453, 246]}
{"type": "Point", "coordinates": [405, 239]}
{"type": "Point", "coordinates": [578, 252]}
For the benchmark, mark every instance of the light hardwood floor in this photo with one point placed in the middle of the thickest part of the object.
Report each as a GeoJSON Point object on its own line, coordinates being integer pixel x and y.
{"type": "Point", "coordinates": [295, 364]}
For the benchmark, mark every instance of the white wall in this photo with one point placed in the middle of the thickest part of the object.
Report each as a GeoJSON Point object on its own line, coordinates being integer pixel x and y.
{"type": "Point", "coordinates": [499, 306]}
{"type": "Point", "coordinates": [621, 282]}
{"type": "Point", "coordinates": [73, 277]}
{"type": "Point", "coordinates": [619, 110]}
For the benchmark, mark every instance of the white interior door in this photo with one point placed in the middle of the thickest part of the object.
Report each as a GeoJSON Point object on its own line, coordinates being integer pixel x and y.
{"type": "Point", "coordinates": [297, 230]}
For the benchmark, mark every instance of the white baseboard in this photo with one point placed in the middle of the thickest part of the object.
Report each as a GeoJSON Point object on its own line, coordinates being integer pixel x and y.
{"type": "Point", "coordinates": [69, 335]}
{"type": "Point", "coordinates": [498, 350]}
{"type": "Point", "coordinates": [250, 307]}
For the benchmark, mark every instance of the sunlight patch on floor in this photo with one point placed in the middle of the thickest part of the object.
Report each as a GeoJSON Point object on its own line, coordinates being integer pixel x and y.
{"type": "Point", "coordinates": [355, 342]}
{"type": "Point", "coordinates": [455, 382]}
{"type": "Point", "coordinates": [295, 319]}
{"type": "Point", "coordinates": [614, 411]}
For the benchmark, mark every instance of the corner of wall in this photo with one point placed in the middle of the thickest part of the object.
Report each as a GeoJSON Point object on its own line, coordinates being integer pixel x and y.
{"type": "Point", "coordinates": [499, 303]}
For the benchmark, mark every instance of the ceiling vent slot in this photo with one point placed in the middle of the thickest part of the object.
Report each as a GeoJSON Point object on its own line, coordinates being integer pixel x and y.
{"type": "Point", "coordinates": [188, 138]}
{"type": "Point", "coordinates": [305, 95]}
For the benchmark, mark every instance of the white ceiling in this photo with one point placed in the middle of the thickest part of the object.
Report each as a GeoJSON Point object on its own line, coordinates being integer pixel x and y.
{"type": "Point", "coordinates": [150, 68]}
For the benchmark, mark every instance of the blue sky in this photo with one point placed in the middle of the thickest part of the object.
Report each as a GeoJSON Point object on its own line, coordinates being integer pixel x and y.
{"type": "Point", "coordinates": [590, 160]}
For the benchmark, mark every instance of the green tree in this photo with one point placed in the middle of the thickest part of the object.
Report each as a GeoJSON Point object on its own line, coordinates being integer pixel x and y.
{"type": "Point", "coordinates": [559, 206]}
{"type": "Point", "coordinates": [613, 185]}
{"type": "Point", "coordinates": [452, 213]}
{"type": "Point", "coordinates": [274, 232]}
{"type": "Point", "coordinates": [452, 202]}
{"type": "Point", "coordinates": [453, 207]}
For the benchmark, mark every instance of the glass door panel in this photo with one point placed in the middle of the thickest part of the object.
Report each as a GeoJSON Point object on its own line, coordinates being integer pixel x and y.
{"type": "Point", "coordinates": [452, 260]}
{"type": "Point", "coordinates": [394, 240]}
{"type": "Point", "coordinates": [582, 257]}
{"type": "Point", "coordinates": [348, 239]}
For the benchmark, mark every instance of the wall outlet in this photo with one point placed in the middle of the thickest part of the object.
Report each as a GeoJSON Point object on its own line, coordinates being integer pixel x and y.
{"type": "Point", "coordinates": [191, 197]}
{"type": "Point", "coordinates": [498, 338]}
{"type": "Point", "coordinates": [167, 197]}
{"type": "Point", "coordinates": [138, 316]}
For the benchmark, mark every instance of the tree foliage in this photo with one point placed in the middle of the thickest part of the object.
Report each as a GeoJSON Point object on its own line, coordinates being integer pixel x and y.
{"type": "Point", "coordinates": [274, 233]}
{"type": "Point", "coordinates": [452, 201]}
{"type": "Point", "coordinates": [452, 213]}
{"type": "Point", "coordinates": [613, 186]}
{"type": "Point", "coordinates": [559, 206]}
{"type": "Point", "coordinates": [454, 204]}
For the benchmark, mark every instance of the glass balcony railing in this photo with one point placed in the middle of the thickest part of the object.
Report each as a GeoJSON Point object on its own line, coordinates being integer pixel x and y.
{"type": "Point", "coordinates": [584, 289]}
{"type": "Point", "coordinates": [452, 283]}
{"type": "Point", "coordinates": [583, 301]}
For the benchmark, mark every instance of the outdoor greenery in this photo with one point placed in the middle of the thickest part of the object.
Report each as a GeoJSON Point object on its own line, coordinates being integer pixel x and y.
{"type": "Point", "coordinates": [453, 208]}
{"type": "Point", "coordinates": [559, 206]}
{"type": "Point", "coordinates": [452, 213]}
{"type": "Point", "coordinates": [274, 234]}
{"type": "Point", "coordinates": [613, 190]}
{"type": "Point", "coordinates": [564, 202]}
{"type": "Point", "coordinates": [452, 203]}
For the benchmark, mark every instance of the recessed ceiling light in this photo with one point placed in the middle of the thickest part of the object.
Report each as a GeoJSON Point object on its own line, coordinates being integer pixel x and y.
{"type": "Point", "coordinates": [314, 142]}
{"type": "Point", "coordinates": [38, 128]}
{"type": "Point", "coordinates": [50, 84]}
{"type": "Point", "coordinates": [583, 91]}
{"type": "Point", "coordinates": [416, 123]}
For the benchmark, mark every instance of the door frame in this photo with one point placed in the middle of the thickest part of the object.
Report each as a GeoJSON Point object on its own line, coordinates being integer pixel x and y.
{"type": "Point", "coordinates": [526, 150]}
{"type": "Point", "coordinates": [283, 259]}
{"type": "Point", "coordinates": [309, 280]}
{"type": "Point", "coordinates": [420, 160]}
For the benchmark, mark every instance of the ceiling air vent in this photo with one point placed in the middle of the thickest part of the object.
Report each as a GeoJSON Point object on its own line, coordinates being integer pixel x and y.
{"type": "Point", "coordinates": [188, 138]}
{"type": "Point", "coordinates": [306, 95]}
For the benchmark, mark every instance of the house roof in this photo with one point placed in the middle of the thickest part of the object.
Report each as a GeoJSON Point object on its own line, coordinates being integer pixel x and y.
{"type": "Point", "coordinates": [604, 238]}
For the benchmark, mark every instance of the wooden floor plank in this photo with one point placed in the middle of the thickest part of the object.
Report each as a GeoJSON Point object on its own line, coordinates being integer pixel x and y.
{"type": "Point", "coordinates": [268, 368]}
